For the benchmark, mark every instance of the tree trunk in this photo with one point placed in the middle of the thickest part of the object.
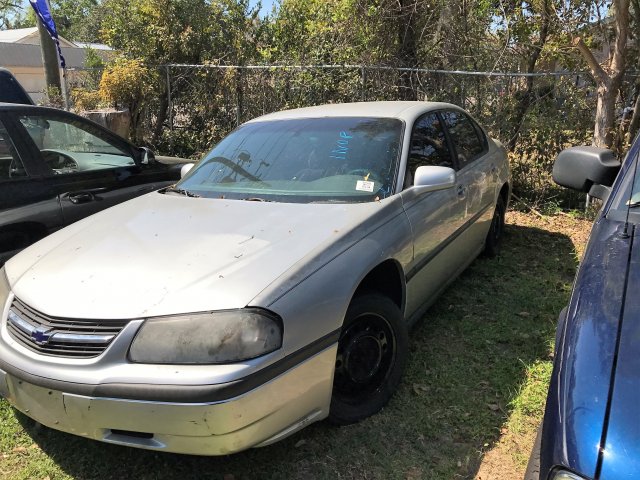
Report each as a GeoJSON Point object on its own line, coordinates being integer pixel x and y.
{"type": "Point", "coordinates": [163, 107]}
{"type": "Point", "coordinates": [408, 51]}
{"type": "Point", "coordinates": [609, 78]}
{"type": "Point", "coordinates": [525, 99]}
{"type": "Point", "coordinates": [635, 119]}
{"type": "Point", "coordinates": [605, 115]}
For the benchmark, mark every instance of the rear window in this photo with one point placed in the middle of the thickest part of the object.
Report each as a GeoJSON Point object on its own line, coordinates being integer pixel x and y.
{"type": "Point", "coordinates": [464, 136]}
{"type": "Point", "coordinates": [11, 91]}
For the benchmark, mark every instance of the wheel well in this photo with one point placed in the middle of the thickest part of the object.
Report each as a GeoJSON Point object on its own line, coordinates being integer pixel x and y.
{"type": "Point", "coordinates": [386, 279]}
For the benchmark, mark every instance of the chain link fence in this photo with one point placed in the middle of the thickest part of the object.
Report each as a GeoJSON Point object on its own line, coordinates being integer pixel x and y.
{"type": "Point", "coordinates": [194, 106]}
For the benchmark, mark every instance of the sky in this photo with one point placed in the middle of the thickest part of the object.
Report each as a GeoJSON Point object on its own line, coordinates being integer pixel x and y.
{"type": "Point", "coordinates": [266, 6]}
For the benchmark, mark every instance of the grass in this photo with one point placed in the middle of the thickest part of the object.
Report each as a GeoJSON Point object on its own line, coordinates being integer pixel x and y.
{"type": "Point", "coordinates": [468, 405]}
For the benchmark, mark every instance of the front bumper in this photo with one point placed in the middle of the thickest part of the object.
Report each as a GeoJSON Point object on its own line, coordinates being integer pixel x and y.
{"type": "Point", "coordinates": [268, 413]}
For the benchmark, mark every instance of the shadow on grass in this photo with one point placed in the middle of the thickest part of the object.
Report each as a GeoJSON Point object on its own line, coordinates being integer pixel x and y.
{"type": "Point", "coordinates": [467, 362]}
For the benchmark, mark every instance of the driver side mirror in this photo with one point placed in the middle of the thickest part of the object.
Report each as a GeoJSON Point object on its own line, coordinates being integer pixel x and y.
{"type": "Point", "coordinates": [147, 156]}
{"type": "Point", "coordinates": [432, 178]}
{"type": "Point", "coordinates": [590, 170]}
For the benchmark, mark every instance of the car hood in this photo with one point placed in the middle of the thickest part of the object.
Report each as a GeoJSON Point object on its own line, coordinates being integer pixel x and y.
{"type": "Point", "coordinates": [167, 254]}
{"type": "Point", "coordinates": [621, 457]}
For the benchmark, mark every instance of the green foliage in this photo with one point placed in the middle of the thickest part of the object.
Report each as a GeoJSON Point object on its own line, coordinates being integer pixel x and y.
{"type": "Point", "coordinates": [77, 20]}
{"type": "Point", "coordinates": [85, 100]}
{"type": "Point", "coordinates": [128, 83]}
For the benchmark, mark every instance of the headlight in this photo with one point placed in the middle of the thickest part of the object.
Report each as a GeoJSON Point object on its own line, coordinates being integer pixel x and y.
{"type": "Point", "coordinates": [207, 338]}
{"type": "Point", "coordinates": [563, 475]}
{"type": "Point", "coordinates": [4, 289]}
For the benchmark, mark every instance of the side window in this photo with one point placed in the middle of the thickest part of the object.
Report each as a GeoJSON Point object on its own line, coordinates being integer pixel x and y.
{"type": "Point", "coordinates": [10, 164]}
{"type": "Point", "coordinates": [428, 146]}
{"type": "Point", "coordinates": [464, 136]}
{"type": "Point", "coordinates": [66, 147]}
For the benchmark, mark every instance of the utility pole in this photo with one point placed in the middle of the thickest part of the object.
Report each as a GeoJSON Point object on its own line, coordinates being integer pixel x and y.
{"type": "Point", "coordinates": [49, 57]}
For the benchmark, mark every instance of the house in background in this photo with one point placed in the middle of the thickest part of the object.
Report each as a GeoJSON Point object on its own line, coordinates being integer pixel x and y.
{"type": "Point", "coordinates": [20, 53]}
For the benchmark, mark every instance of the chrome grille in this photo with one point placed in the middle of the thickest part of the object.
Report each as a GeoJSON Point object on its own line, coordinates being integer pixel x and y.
{"type": "Point", "coordinates": [60, 337]}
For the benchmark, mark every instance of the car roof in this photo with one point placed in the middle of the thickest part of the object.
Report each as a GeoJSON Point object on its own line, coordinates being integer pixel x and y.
{"type": "Point", "coordinates": [406, 111]}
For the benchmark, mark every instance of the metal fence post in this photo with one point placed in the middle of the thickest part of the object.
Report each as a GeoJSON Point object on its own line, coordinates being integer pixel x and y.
{"type": "Point", "coordinates": [169, 102]}
{"type": "Point", "coordinates": [363, 80]}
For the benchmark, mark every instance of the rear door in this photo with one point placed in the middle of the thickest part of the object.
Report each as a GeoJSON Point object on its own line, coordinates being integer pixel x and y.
{"type": "Point", "coordinates": [476, 173]}
{"type": "Point", "coordinates": [88, 169]}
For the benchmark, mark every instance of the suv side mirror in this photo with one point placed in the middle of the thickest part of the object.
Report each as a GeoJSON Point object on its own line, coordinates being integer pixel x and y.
{"type": "Point", "coordinates": [590, 170]}
{"type": "Point", "coordinates": [432, 178]}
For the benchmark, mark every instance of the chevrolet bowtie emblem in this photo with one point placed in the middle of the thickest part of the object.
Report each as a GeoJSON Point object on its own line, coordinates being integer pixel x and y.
{"type": "Point", "coordinates": [41, 335]}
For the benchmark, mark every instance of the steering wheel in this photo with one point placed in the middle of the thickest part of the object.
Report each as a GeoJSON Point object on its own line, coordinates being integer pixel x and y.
{"type": "Point", "coordinates": [363, 172]}
{"type": "Point", "coordinates": [358, 171]}
{"type": "Point", "coordinates": [58, 161]}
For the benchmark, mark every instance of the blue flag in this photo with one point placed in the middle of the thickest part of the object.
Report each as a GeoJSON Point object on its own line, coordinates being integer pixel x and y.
{"type": "Point", "coordinates": [44, 14]}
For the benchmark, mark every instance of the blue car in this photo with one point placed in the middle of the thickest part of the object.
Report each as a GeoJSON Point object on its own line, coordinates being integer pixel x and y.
{"type": "Point", "coordinates": [591, 426]}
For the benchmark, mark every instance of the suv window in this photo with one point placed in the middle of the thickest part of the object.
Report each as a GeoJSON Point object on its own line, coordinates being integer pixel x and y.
{"type": "Point", "coordinates": [464, 136]}
{"type": "Point", "coordinates": [428, 146]}
{"type": "Point", "coordinates": [10, 164]}
{"type": "Point", "coordinates": [68, 148]}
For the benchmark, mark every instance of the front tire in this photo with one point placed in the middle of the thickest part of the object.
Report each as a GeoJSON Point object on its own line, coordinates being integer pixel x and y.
{"type": "Point", "coordinates": [372, 353]}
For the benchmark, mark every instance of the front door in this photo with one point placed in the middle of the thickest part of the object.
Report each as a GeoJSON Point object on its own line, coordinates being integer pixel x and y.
{"type": "Point", "coordinates": [435, 217]}
{"type": "Point", "coordinates": [87, 171]}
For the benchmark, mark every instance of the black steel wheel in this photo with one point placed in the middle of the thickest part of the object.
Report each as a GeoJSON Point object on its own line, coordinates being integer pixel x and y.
{"type": "Point", "coordinates": [496, 231]}
{"type": "Point", "coordinates": [372, 352]}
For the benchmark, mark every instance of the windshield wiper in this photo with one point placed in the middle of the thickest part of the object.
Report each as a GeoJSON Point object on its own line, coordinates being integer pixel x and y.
{"type": "Point", "coordinates": [182, 191]}
{"type": "Point", "coordinates": [256, 199]}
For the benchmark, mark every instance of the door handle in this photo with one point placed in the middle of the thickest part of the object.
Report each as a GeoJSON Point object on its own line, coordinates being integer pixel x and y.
{"type": "Point", "coordinates": [462, 190]}
{"type": "Point", "coordinates": [80, 197]}
{"type": "Point", "coordinates": [494, 169]}
{"type": "Point", "coordinates": [85, 196]}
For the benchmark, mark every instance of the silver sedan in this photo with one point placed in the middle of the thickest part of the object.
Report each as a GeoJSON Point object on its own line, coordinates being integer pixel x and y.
{"type": "Point", "coordinates": [272, 287]}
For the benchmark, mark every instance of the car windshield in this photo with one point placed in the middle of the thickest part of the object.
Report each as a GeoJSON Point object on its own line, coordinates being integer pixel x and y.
{"type": "Point", "coordinates": [628, 195]}
{"type": "Point", "coordinates": [339, 159]}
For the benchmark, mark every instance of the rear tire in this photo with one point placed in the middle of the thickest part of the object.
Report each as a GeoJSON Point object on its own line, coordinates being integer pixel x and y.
{"type": "Point", "coordinates": [372, 353]}
{"type": "Point", "coordinates": [496, 231]}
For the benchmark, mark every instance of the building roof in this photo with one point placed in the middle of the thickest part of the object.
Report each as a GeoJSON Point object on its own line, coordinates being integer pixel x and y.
{"type": "Point", "coordinates": [94, 46]}
{"type": "Point", "coordinates": [28, 35]}
{"type": "Point", "coordinates": [17, 34]}
{"type": "Point", "coordinates": [23, 55]}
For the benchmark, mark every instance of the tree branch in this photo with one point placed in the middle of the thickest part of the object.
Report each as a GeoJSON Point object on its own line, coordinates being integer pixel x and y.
{"type": "Point", "coordinates": [596, 70]}
{"type": "Point", "coordinates": [622, 29]}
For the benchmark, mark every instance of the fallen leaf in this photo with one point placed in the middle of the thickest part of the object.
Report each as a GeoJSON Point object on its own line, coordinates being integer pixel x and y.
{"type": "Point", "coordinates": [494, 407]}
{"type": "Point", "coordinates": [300, 443]}
{"type": "Point", "coordinates": [523, 314]}
{"type": "Point", "coordinates": [419, 388]}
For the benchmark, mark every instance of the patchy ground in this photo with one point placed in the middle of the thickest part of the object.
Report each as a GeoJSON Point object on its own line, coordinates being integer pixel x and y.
{"type": "Point", "coordinates": [510, 453]}
{"type": "Point", "coordinates": [468, 406]}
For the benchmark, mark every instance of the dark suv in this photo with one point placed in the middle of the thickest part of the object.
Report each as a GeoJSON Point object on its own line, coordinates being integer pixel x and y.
{"type": "Point", "coordinates": [57, 167]}
{"type": "Point", "coordinates": [591, 426]}
{"type": "Point", "coordinates": [10, 89]}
